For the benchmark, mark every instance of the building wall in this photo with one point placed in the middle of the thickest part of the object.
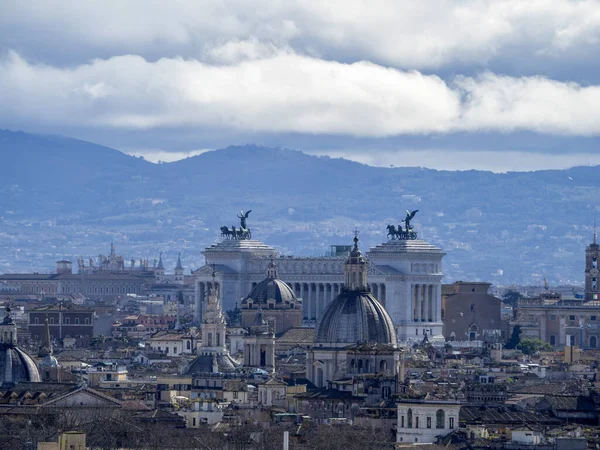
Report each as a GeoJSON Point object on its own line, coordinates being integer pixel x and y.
{"type": "Point", "coordinates": [561, 323]}
{"type": "Point", "coordinates": [468, 310]}
{"type": "Point", "coordinates": [62, 323]}
{"type": "Point", "coordinates": [408, 283]}
{"type": "Point", "coordinates": [418, 422]}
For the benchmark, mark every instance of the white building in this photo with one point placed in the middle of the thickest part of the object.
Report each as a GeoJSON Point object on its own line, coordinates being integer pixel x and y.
{"type": "Point", "coordinates": [272, 392]}
{"type": "Point", "coordinates": [422, 421]}
{"type": "Point", "coordinates": [404, 275]}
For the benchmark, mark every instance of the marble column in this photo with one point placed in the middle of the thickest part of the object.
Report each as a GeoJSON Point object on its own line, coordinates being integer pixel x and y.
{"type": "Point", "coordinates": [418, 302]}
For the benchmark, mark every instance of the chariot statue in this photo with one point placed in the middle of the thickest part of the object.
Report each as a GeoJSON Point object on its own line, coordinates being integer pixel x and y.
{"type": "Point", "coordinates": [403, 234]}
{"type": "Point", "coordinates": [240, 233]}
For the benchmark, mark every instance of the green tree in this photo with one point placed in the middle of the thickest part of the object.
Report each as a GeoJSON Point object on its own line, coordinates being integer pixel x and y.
{"type": "Point", "coordinates": [511, 298]}
{"type": "Point", "coordinates": [531, 346]}
{"type": "Point", "coordinates": [515, 338]}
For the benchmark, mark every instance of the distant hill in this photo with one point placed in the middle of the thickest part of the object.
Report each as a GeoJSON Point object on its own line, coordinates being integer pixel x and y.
{"type": "Point", "coordinates": [63, 196]}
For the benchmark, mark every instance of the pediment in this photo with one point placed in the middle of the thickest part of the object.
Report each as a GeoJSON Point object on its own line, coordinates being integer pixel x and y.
{"type": "Point", "coordinates": [83, 397]}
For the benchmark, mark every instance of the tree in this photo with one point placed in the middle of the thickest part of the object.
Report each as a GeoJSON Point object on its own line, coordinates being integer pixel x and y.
{"type": "Point", "coordinates": [511, 297]}
{"type": "Point", "coordinates": [531, 346]}
{"type": "Point", "coordinates": [515, 338]}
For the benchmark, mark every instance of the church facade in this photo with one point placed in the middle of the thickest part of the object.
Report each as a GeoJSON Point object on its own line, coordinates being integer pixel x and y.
{"type": "Point", "coordinates": [404, 275]}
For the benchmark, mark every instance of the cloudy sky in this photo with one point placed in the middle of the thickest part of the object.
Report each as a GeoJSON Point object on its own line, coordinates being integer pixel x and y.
{"type": "Point", "coordinates": [497, 85]}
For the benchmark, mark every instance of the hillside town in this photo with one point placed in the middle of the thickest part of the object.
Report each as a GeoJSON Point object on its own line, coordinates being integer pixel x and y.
{"type": "Point", "coordinates": [363, 348]}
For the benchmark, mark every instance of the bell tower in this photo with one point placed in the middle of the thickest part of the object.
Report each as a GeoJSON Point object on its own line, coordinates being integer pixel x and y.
{"type": "Point", "coordinates": [592, 270]}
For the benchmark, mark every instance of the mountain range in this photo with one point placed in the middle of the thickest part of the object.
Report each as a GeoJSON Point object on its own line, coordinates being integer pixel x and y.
{"type": "Point", "coordinates": [65, 198]}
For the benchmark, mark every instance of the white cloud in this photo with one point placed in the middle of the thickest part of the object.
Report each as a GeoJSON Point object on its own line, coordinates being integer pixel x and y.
{"type": "Point", "coordinates": [158, 155]}
{"type": "Point", "coordinates": [286, 92]}
{"type": "Point", "coordinates": [447, 159]}
{"type": "Point", "coordinates": [408, 34]}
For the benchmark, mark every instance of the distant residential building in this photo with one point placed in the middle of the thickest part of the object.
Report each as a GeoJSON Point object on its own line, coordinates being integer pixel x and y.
{"type": "Point", "coordinates": [105, 277]}
{"type": "Point", "coordinates": [172, 343]}
{"type": "Point", "coordinates": [470, 313]}
{"type": "Point", "coordinates": [64, 320]}
{"type": "Point", "coordinates": [422, 421]}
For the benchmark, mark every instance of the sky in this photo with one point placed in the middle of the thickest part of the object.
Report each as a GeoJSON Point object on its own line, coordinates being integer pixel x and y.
{"type": "Point", "coordinates": [494, 85]}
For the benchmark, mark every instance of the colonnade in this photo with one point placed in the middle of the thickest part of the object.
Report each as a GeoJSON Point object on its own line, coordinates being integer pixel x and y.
{"type": "Point", "coordinates": [426, 300]}
{"type": "Point", "coordinates": [317, 296]}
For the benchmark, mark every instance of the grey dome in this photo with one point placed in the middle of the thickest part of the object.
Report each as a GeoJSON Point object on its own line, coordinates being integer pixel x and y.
{"type": "Point", "coordinates": [49, 361]}
{"type": "Point", "coordinates": [271, 288]}
{"type": "Point", "coordinates": [16, 366]}
{"type": "Point", "coordinates": [355, 316]}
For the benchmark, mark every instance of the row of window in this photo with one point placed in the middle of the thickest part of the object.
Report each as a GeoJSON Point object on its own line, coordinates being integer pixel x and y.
{"type": "Point", "coordinates": [66, 321]}
{"type": "Point", "coordinates": [571, 317]}
{"type": "Point", "coordinates": [593, 340]}
{"type": "Point", "coordinates": [440, 420]}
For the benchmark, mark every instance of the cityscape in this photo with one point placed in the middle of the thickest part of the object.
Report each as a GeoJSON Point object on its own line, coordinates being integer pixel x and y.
{"type": "Point", "coordinates": [299, 225]}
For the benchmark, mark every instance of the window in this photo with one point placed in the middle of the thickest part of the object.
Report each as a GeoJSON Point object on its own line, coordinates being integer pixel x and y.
{"type": "Point", "coordinates": [401, 421]}
{"type": "Point", "coordinates": [51, 321]}
{"type": "Point", "coordinates": [36, 320]}
{"type": "Point", "coordinates": [593, 342]}
{"type": "Point", "coordinates": [235, 394]}
{"type": "Point", "coordinates": [417, 422]}
{"type": "Point", "coordinates": [552, 316]}
{"type": "Point", "coordinates": [77, 321]}
{"type": "Point", "coordinates": [571, 317]}
{"type": "Point", "coordinates": [167, 350]}
{"type": "Point", "coordinates": [174, 350]}
{"type": "Point", "coordinates": [428, 422]}
{"type": "Point", "coordinates": [592, 317]}
{"type": "Point", "coordinates": [188, 345]}
{"type": "Point", "coordinates": [67, 320]}
{"type": "Point", "coordinates": [87, 320]}
{"type": "Point", "coordinates": [409, 417]}
{"type": "Point", "coordinates": [440, 418]}
{"type": "Point", "coordinates": [472, 307]}
{"type": "Point", "coordinates": [552, 340]}
{"type": "Point", "coordinates": [451, 423]}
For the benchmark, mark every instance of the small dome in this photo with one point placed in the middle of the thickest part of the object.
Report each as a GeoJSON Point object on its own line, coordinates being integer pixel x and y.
{"type": "Point", "coordinates": [16, 366]}
{"type": "Point", "coordinates": [49, 361]}
{"type": "Point", "coordinates": [271, 288]}
{"type": "Point", "coordinates": [355, 316]}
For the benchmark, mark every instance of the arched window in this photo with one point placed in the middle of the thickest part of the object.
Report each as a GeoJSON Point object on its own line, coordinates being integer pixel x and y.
{"type": "Point", "coordinates": [440, 418]}
{"type": "Point", "coordinates": [593, 342]}
{"type": "Point", "coordinates": [210, 339]}
{"type": "Point", "coordinates": [409, 418]}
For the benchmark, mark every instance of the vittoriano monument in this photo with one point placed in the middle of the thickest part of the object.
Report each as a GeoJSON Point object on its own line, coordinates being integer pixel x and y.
{"type": "Point", "coordinates": [403, 234]}
{"type": "Point", "coordinates": [238, 233]}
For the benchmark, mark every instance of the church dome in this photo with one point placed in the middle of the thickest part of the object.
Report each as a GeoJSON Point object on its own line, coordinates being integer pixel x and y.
{"type": "Point", "coordinates": [271, 288]}
{"type": "Point", "coordinates": [49, 361]}
{"type": "Point", "coordinates": [16, 366]}
{"type": "Point", "coordinates": [355, 316]}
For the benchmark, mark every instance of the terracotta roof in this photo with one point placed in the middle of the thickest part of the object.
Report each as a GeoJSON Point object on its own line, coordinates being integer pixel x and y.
{"type": "Point", "coordinates": [503, 415]}
{"type": "Point", "coordinates": [297, 336]}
